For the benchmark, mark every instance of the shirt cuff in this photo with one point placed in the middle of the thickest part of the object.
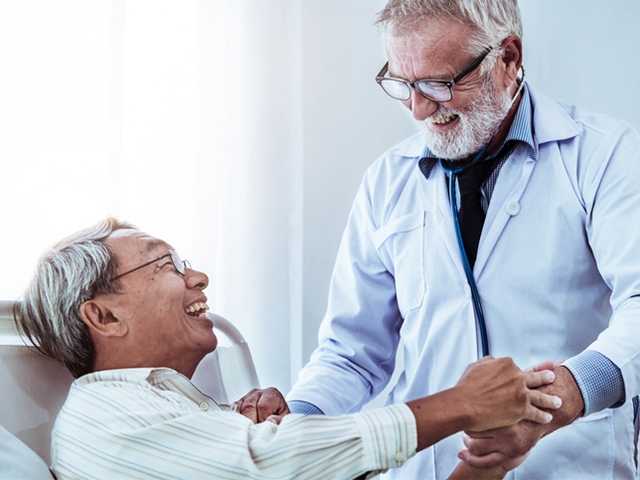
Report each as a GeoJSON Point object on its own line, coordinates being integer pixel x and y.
{"type": "Point", "coordinates": [304, 408]}
{"type": "Point", "coordinates": [390, 436]}
{"type": "Point", "coordinates": [600, 381]}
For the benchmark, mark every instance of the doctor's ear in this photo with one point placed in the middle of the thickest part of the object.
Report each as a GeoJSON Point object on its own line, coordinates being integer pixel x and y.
{"type": "Point", "coordinates": [511, 58]}
{"type": "Point", "coordinates": [101, 320]}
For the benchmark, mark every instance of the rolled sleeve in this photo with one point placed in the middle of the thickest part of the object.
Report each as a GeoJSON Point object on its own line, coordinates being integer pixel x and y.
{"type": "Point", "coordinates": [600, 381]}
{"type": "Point", "coordinates": [389, 436]}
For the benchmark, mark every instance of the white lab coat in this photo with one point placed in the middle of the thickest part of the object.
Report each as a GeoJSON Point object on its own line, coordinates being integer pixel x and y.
{"type": "Point", "coordinates": [557, 269]}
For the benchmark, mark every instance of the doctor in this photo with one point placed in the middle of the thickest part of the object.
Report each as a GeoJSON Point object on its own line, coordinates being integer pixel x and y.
{"type": "Point", "coordinates": [507, 226]}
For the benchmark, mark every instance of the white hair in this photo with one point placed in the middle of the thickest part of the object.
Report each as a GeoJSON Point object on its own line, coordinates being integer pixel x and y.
{"type": "Point", "coordinates": [69, 274]}
{"type": "Point", "coordinates": [492, 20]}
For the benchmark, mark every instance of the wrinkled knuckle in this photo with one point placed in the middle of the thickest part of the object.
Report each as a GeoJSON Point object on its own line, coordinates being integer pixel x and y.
{"type": "Point", "coordinates": [522, 396]}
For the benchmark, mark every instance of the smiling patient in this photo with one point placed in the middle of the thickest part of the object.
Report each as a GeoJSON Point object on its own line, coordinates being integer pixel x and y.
{"type": "Point", "coordinates": [128, 318]}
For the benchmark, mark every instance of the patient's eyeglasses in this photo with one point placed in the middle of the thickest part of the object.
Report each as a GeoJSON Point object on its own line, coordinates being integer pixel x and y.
{"type": "Point", "coordinates": [179, 265]}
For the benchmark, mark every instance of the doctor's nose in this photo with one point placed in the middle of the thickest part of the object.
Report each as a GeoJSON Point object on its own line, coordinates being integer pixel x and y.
{"type": "Point", "coordinates": [421, 107]}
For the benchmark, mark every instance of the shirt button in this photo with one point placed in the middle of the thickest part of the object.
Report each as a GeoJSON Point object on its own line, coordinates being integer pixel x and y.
{"type": "Point", "coordinates": [513, 208]}
{"type": "Point", "coordinates": [204, 406]}
{"type": "Point", "coordinates": [399, 458]}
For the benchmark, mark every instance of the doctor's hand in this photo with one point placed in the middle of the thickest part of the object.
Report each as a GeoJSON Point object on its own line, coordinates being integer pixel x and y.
{"type": "Point", "coordinates": [464, 471]}
{"type": "Point", "coordinates": [501, 446]}
{"type": "Point", "coordinates": [262, 405]}
{"type": "Point", "coordinates": [499, 394]}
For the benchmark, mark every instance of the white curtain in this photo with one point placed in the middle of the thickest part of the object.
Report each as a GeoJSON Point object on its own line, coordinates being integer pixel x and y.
{"type": "Point", "coordinates": [181, 116]}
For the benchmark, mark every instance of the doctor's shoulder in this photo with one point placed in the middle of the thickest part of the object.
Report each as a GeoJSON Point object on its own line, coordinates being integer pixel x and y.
{"type": "Point", "coordinates": [601, 133]}
{"type": "Point", "coordinates": [392, 174]}
{"type": "Point", "coordinates": [603, 149]}
{"type": "Point", "coordinates": [601, 139]}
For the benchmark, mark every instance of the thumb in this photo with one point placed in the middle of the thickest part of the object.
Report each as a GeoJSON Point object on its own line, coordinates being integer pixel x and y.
{"type": "Point", "coordinates": [274, 419]}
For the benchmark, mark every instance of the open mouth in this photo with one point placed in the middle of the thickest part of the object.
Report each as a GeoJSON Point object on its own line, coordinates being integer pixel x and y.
{"type": "Point", "coordinates": [197, 309]}
{"type": "Point", "coordinates": [440, 120]}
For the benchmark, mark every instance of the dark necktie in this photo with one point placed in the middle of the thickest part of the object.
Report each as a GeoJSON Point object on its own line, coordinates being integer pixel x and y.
{"type": "Point", "coordinates": [471, 214]}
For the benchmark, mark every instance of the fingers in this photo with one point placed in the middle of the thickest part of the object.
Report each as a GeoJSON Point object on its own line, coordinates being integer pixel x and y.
{"type": "Point", "coordinates": [270, 403]}
{"type": "Point", "coordinates": [536, 415]}
{"type": "Point", "coordinates": [488, 461]}
{"type": "Point", "coordinates": [539, 379]}
{"type": "Point", "coordinates": [479, 447]}
{"type": "Point", "coordinates": [275, 419]}
{"type": "Point", "coordinates": [258, 405]}
{"type": "Point", "coordinates": [543, 400]}
{"type": "Point", "coordinates": [548, 365]}
{"type": "Point", "coordinates": [246, 406]}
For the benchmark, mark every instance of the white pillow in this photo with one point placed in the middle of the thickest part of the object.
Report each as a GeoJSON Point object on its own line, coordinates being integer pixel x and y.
{"type": "Point", "coordinates": [19, 461]}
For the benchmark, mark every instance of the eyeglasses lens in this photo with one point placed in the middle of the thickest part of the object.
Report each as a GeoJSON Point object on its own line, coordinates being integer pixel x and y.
{"type": "Point", "coordinates": [395, 89]}
{"type": "Point", "coordinates": [436, 91]}
{"type": "Point", "coordinates": [178, 263]}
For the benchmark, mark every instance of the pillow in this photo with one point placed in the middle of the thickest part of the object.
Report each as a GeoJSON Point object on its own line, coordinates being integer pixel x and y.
{"type": "Point", "coordinates": [19, 461]}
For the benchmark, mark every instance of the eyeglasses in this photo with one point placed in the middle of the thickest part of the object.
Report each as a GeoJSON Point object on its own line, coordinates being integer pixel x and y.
{"type": "Point", "coordinates": [179, 265]}
{"type": "Point", "coordinates": [435, 90]}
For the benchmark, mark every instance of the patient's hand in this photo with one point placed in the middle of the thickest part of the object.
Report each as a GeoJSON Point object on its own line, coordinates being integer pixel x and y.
{"type": "Point", "coordinates": [261, 405]}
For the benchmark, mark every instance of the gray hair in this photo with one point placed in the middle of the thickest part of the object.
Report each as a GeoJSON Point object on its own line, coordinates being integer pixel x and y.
{"type": "Point", "coordinates": [492, 20]}
{"type": "Point", "coordinates": [72, 272]}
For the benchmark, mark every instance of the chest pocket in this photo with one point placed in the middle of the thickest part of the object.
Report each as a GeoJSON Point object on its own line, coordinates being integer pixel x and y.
{"type": "Point", "coordinates": [401, 242]}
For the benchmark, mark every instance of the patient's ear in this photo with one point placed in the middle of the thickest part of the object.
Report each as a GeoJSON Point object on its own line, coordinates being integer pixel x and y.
{"type": "Point", "coordinates": [101, 320]}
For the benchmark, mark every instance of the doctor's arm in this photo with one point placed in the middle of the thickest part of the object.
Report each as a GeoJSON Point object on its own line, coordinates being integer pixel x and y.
{"type": "Point", "coordinates": [607, 373]}
{"type": "Point", "coordinates": [359, 334]}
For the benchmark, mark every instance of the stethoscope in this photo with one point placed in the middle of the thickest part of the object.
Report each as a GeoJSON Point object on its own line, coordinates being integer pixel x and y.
{"type": "Point", "coordinates": [468, 271]}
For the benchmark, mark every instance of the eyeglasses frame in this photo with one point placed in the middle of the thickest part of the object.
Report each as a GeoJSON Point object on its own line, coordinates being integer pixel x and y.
{"type": "Point", "coordinates": [448, 83]}
{"type": "Point", "coordinates": [180, 270]}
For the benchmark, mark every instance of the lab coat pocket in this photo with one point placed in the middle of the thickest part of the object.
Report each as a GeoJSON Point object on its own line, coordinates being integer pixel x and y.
{"type": "Point", "coordinates": [401, 240]}
{"type": "Point", "coordinates": [585, 450]}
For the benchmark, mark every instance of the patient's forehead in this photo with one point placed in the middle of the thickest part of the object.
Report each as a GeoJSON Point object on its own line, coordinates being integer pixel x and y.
{"type": "Point", "coordinates": [131, 245]}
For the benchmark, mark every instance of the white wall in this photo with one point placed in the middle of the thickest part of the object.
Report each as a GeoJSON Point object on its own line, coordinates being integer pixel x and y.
{"type": "Point", "coordinates": [585, 53]}
{"type": "Point", "coordinates": [347, 123]}
{"type": "Point", "coordinates": [582, 52]}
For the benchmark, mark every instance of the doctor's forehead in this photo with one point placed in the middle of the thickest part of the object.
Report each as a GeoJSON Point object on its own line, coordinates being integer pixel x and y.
{"type": "Point", "coordinates": [436, 49]}
{"type": "Point", "coordinates": [136, 243]}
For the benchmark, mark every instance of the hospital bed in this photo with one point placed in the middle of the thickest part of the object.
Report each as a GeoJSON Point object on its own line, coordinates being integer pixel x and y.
{"type": "Point", "coordinates": [33, 387]}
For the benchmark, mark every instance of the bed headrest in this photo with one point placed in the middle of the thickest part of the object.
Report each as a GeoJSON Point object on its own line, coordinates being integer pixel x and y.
{"type": "Point", "coordinates": [19, 461]}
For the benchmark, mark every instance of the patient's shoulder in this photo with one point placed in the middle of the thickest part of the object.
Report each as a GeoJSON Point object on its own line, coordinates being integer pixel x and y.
{"type": "Point", "coordinates": [120, 403]}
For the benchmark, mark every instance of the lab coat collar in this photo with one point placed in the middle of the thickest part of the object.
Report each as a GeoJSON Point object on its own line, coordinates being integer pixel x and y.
{"type": "Point", "coordinates": [551, 121]}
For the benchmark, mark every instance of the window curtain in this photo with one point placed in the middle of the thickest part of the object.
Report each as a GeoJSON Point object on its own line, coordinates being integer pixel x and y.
{"type": "Point", "coordinates": [180, 116]}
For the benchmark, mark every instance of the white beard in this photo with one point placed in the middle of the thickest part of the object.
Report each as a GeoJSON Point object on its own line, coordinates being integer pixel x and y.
{"type": "Point", "coordinates": [476, 125]}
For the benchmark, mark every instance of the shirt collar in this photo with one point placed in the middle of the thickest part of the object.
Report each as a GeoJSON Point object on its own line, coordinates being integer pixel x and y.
{"type": "Point", "coordinates": [122, 375]}
{"type": "Point", "coordinates": [522, 126]}
{"type": "Point", "coordinates": [162, 378]}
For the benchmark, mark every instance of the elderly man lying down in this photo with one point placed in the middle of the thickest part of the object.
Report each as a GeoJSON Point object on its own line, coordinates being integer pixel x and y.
{"type": "Point", "coordinates": [127, 318]}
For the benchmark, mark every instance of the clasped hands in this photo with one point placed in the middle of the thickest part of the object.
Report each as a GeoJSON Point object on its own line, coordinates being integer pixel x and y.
{"type": "Point", "coordinates": [259, 406]}
{"type": "Point", "coordinates": [493, 453]}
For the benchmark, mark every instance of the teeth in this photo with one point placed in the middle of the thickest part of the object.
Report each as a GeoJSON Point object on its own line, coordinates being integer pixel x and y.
{"type": "Point", "coordinates": [442, 118]}
{"type": "Point", "coordinates": [196, 308]}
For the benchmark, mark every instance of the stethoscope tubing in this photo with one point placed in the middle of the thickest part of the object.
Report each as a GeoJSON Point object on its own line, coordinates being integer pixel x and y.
{"type": "Point", "coordinates": [475, 295]}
